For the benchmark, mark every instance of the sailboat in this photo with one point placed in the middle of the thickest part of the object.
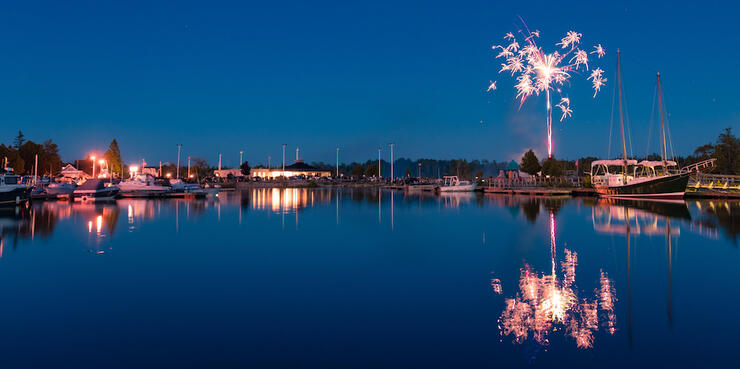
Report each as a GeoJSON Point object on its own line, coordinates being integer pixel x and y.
{"type": "Point", "coordinates": [627, 178]}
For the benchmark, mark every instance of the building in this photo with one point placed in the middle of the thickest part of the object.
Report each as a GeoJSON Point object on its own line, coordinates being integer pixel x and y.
{"type": "Point", "coordinates": [69, 171]}
{"type": "Point", "coordinates": [224, 173]}
{"type": "Point", "coordinates": [296, 169]}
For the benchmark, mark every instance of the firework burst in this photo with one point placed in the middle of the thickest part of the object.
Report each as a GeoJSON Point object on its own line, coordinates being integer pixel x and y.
{"type": "Point", "coordinates": [537, 72]}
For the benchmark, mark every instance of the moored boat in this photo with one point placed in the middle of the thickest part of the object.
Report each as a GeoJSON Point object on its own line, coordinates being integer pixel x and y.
{"type": "Point", "coordinates": [96, 190]}
{"type": "Point", "coordinates": [626, 178]}
{"type": "Point", "coordinates": [142, 185]}
{"type": "Point", "coordinates": [12, 191]}
{"type": "Point", "coordinates": [454, 184]}
{"type": "Point", "coordinates": [60, 190]}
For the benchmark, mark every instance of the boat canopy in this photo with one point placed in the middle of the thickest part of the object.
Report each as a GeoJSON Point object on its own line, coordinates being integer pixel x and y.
{"type": "Point", "coordinates": [649, 163]}
{"type": "Point", "coordinates": [618, 162]}
{"type": "Point", "coordinates": [92, 185]}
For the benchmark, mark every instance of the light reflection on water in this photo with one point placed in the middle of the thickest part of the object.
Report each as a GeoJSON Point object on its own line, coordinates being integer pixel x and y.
{"type": "Point", "coordinates": [531, 279]}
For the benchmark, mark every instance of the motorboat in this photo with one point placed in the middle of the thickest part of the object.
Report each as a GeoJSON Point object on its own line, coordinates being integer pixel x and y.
{"type": "Point", "coordinates": [143, 185]}
{"type": "Point", "coordinates": [60, 190]}
{"type": "Point", "coordinates": [96, 190]}
{"type": "Point", "coordinates": [454, 184]}
{"type": "Point", "coordinates": [184, 189]}
{"type": "Point", "coordinates": [12, 190]}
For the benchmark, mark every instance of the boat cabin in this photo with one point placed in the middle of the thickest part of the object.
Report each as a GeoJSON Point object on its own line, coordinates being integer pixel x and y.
{"type": "Point", "coordinates": [648, 168]}
{"type": "Point", "coordinates": [612, 172]}
{"type": "Point", "coordinates": [9, 179]}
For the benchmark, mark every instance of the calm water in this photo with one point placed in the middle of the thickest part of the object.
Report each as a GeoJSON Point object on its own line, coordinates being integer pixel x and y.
{"type": "Point", "coordinates": [327, 278]}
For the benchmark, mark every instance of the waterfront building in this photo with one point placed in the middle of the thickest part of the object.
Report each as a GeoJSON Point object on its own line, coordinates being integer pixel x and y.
{"type": "Point", "coordinates": [298, 168]}
{"type": "Point", "coordinates": [224, 173]}
{"type": "Point", "coordinates": [69, 171]}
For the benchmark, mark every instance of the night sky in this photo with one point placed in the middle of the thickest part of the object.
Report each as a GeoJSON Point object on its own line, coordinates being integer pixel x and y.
{"type": "Point", "coordinates": [224, 77]}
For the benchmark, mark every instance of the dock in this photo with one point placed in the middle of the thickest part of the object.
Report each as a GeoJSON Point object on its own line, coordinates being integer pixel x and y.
{"type": "Point", "coordinates": [533, 191]}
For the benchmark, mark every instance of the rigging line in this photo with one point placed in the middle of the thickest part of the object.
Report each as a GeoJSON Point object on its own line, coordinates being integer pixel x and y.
{"type": "Point", "coordinates": [611, 118]}
{"type": "Point", "coordinates": [670, 136]}
{"type": "Point", "coordinates": [627, 119]}
{"type": "Point", "coordinates": [668, 128]}
{"type": "Point", "coordinates": [652, 119]}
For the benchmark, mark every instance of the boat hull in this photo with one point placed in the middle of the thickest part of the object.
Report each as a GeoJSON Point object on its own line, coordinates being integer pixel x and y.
{"type": "Point", "coordinates": [106, 194]}
{"type": "Point", "coordinates": [464, 188]}
{"type": "Point", "coordinates": [15, 196]}
{"type": "Point", "coordinates": [668, 187]}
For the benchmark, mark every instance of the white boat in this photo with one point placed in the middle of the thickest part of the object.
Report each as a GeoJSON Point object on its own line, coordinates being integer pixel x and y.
{"type": "Point", "coordinates": [183, 189]}
{"type": "Point", "coordinates": [96, 190]}
{"type": "Point", "coordinates": [60, 190]}
{"type": "Point", "coordinates": [454, 184]}
{"type": "Point", "coordinates": [12, 191]}
{"type": "Point", "coordinates": [143, 185]}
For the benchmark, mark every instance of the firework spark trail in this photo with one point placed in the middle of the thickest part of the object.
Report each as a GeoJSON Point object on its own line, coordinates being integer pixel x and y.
{"type": "Point", "coordinates": [537, 72]}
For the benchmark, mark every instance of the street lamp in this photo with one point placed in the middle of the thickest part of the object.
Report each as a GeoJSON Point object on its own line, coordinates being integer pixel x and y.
{"type": "Point", "coordinates": [391, 145]}
{"type": "Point", "coordinates": [93, 163]}
{"type": "Point", "coordinates": [379, 163]}
{"type": "Point", "coordinates": [177, 175]}
{"type": "Point", "coordinates": [337, 162]}
{"type": "Point", "coordinates": [283, 160]}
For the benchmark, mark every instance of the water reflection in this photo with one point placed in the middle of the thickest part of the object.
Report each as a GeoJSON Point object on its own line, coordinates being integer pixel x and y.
{"type": "Point", "coordinates": [549, 302]}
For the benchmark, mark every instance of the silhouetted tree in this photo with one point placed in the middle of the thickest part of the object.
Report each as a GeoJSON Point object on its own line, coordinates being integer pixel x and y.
{"type": "Point", "coordinates": [113, 157]}
{"type": "Point", "coordinates": [530, 164]}
{"type": "Point", "coordinates": [245, 168]}
{"type": "Point", "coordinates": [552, 167]}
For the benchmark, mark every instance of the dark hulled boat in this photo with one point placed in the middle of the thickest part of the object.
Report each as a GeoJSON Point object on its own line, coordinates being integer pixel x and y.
{"type": "Point", "coordinates": [96, 190]}
{"type": "Point", "coordinates": [671, 186]}
{"type": "Point", "coordinates": [12, 191]}
{"type": "Point", "coordinates": [625, 178]}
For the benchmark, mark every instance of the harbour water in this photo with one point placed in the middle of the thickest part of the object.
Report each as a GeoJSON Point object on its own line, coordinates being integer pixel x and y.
{"type": "Point", "coordinates": [353, 278]}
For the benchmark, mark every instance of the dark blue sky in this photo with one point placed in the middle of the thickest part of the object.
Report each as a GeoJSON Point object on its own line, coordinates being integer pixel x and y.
{"type": "Point", "coordinates": [231, 76]}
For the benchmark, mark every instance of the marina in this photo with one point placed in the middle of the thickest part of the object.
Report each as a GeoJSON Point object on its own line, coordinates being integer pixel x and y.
{"type": "Point", "coordinates": [384, 184]}
{"type": "Point", "coordinates": [148, 258]}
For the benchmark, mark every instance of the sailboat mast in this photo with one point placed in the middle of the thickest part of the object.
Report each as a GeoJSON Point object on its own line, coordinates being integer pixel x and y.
{"type": "Point", "coordinates": [621, 117]}
{"type": "Point", "coordinates": [662, 126]}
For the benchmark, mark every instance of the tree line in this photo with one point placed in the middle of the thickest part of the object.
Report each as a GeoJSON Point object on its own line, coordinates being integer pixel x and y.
{"type": "Point", "coordinates": [428, 168]}
{"type": "Point", "coordinates": [726, 151]}
{"type": "Point", "coordinates": [21, 156]}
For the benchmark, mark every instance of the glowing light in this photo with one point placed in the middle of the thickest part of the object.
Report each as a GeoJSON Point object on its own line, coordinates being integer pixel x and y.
{"type": "Point", "coordinates": [545, 304]}
{"type": "Point", "coordinates": [496, 286]}
{"type": "Point", "coordinates": [538, 72]}
{"type": "Point", "coordinates": [98, 224]}
{"type": "Point", "coordinates": [492, 86]}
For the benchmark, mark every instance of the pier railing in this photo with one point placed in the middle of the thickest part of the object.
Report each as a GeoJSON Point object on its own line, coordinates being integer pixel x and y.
{"type": "Point", "coordinates": [698, 167]}
{"type": "Point", "coordinates": [530, 182]}
{"type": "Point", "coordinates": [714, 181]}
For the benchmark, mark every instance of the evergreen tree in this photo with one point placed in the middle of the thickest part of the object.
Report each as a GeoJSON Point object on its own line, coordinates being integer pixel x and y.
{"type": "Point", "coordinates": [530, 164]}
{"type": "Point", "coordinates": [245, 168]}
{"type": "Point", "coordinates": [113, 157]}
{"type": "Point", "coordinates": [727, 152]}
{"type": "Point", "coordinates": [19, 140]}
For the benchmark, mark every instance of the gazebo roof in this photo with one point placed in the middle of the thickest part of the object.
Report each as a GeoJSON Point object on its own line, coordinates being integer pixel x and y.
{"type": "Point", "coordinates": [512, 166]}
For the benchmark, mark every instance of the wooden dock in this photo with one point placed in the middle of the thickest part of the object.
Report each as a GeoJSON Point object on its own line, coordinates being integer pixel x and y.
{"type": "Point", "coordinates": [530, 191]}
